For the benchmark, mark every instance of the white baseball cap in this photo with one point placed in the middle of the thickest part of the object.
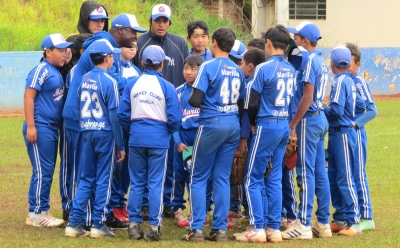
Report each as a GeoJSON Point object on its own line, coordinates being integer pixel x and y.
{"type": "Point", "coordinates": [161, 10]}
{"type": "Point", "coordinates": [98, 13]}
{"type": "Point", "coordinates": [55, 40]}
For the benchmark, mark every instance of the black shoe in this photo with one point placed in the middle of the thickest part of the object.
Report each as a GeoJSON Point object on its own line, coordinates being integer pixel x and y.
{"type": "Point", "coordinates": [144, 212]}
{"type": "Point", "coordinates": [218, 236]}
{"type": "Point", "coordinates": [195, 236]}
{"type": "Point", "coordinates": [168, 213]}
{"type": "Point", "coordinates": [134, 231]}
{"type": "Point", "coordinates": [66, 215]}
{"type": "Point", "coordinates": [153, 234]}
{"type": "Point", "coordinates": [116, 223]}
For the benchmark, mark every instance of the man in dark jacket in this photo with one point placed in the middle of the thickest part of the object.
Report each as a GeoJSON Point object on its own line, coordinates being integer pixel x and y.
{"type": "Point", "coordinates": [176, 48]}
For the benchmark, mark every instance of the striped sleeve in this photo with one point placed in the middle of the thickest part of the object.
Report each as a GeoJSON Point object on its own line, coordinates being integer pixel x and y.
{"type": "Point", "coordinates": [37, 76]}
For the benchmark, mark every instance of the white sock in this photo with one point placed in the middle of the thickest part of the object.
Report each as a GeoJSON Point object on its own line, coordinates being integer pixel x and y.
{"type": "Point", "coordinates": [37, 216]}
{"type": "Point", "coordinates": [32, 214]}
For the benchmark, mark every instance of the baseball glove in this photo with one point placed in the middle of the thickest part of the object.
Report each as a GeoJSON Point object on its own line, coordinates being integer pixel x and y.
{"type": "Point", "coordinates": [238, 168]}
{"type": "Point", "coordinates": [291, 147]}
{"type": "Point", "coordinates": [268, 169]}
{"type": "Point", "coordinates": [290, 163]}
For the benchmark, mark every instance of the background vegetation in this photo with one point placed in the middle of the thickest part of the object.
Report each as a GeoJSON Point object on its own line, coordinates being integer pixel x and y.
{"type": "Point", "coordinates": [24, 23]}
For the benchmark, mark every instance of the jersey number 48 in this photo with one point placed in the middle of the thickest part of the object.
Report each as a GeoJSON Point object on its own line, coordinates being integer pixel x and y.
{"type": "Point", "coordinates": [230, 92]}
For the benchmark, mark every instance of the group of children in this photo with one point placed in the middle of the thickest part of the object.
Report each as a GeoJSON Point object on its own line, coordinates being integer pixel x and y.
{"type": "Point", "coordinates": [237, 106]}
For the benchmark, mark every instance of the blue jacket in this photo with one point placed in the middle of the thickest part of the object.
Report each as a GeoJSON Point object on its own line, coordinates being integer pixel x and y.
{"type": "Point", "coordinates": [150, 110]}
{"type": "Point", "coordinates": [84, 65]}
{"type": "Point", "coordinates": [174, 47]}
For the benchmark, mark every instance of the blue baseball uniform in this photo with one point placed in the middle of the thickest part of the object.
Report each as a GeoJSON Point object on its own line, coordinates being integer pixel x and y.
{"type": "Point", "coordinates": [186, 135]}
{"type": "Point", "coordinates": [206, 55]}
{"type": "Point", "coordinates": [311, 130]}
{"type": "Point", "coordinates": [341, 149]}
{"type": "Point", "coordinates": [363, 114]}
{"type": "Point", "coordinates": [121, 180]}
{"type": "Point", "coordinates": [150, 106]}
{"type": "Point", "coordinates": [216, 140]}
{"type": "Point", "coordinates": [48, 103]}
{"type": "Point", "coordinates": [264, 196]}
{"type": "Point", "coordinates": [99, 99]}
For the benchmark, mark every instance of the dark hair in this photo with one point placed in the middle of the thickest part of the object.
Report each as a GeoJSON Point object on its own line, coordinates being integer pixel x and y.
{"type": "Point", "coordinates": [255, 56]}
{"type": "Point", "coordinates": [355, 51]}
{"type": "Point", "coordinates": [258, 42]}
{"type": "Point", "coordinates": [312, 43]}
{"type": "Point", "coordinates": [194, 60]}
{"type": "Point", "coordinates": [225, 38]}
{"type": "Point", "coordinates": [44, 52]}
{"type": "Point", "coordinates": [195, 25]}
{"type": "Point", "coordinates": [97, 58]}
{"type": "Point", "coordinates": [79, 40]}
{"type": "Point", "coordinates": [151, 66]}
{"type": "Point", "coordinates": [279, 36]}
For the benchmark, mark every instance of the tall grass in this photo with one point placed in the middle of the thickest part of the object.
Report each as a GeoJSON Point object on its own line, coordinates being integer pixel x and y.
{"type": "Point", "coordinates": [24, 23]}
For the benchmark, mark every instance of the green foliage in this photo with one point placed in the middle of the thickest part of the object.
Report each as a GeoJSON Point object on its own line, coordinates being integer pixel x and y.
{"type": "Point", "coordinates": [24, 23]}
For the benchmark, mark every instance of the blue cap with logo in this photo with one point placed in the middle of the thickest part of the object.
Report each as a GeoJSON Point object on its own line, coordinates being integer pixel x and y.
{"type": "Point", "coordinates": [306, 29]}
{"type": "Point", "coordinates": [56, 41]}
{"type": "Point", "coordinates": [155, 54]}
{"type": "Point", "coordinates": [98, 13]}
{"type": "Point", "coordinates": [238, 49]}
{"type": "Point", "coordinates": [161, 10]}
{"type": "Point", "coordinates": [127, 21]}
{"type": "Point", "coordinates": [341, 56]}
{"type": "Point", "coordinates": [103, 47]}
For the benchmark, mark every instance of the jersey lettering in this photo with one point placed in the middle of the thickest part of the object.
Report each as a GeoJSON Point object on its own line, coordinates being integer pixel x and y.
{"type": "Point", "coordinates": [230, 95]}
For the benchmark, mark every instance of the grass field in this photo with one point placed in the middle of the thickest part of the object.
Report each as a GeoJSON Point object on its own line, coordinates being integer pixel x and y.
{"type": "Point", "coordinates": [24, 24]}
{"type": "Point", "coordinates": [383, 169]}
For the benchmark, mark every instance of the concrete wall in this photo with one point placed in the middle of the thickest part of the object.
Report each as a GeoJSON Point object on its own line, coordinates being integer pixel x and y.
{"type": "Point", "coordinates": [369, 23]}
{"type": "Point", "coordinates": [380, 66]}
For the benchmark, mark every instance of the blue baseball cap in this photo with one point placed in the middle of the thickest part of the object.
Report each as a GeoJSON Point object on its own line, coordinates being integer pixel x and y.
{"type": "Point", "coordinates": [103, 47]}
{"type": "Point", "coordinates": [161, 10]}
{"type": "Point", "coordinates": [98, 13]}
{"type": "Point", "coordinates": [238, 49]}
{"type": "Point", "coordinates": [57, 41]}
{"type": "Point", "coordinates": [127, 21]}
{"type": "Point", "coordinates": [306, 29]}
{"type": "Point", "coordinates": [341, 56]}
{"type": "Point", "coordinates": [155, 54]}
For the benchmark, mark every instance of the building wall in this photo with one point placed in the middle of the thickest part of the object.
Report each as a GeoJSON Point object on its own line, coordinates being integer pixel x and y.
{"type": "Point", "coordinates": [368, 23]}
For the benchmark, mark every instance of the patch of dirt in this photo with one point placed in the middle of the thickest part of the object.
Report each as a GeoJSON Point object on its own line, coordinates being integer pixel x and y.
{"type": "Point", "coordinates": [11, 113]}
{"type": "Point", "coordinates": [387, 97]}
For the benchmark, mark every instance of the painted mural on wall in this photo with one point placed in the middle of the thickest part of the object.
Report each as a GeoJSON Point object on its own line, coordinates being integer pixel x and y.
{"type": "Point", "coordinates": [380, 67]}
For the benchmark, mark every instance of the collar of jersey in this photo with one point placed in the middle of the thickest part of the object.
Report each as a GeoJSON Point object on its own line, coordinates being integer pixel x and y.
{"type": "Point", "coordinates": [153, 72]}
{"type": "Point", "coordinates": [315, 51]}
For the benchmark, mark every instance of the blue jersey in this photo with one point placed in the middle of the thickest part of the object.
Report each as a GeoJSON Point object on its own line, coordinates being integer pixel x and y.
{"type": "Point", "coordinates": [150, 109]}
{"type": "Point", "coordinates": [47, 80]}
{"type": "Point", "coordinates": [129, 70]}
{"type": "Point", "coordinates": [98, 93]}
{"type": "Point", "coordinates": [190, 115]}
{"type": "Point", "coordinates": [223, 83]}
{"type": "Point", "coordinates": [363, 95]}
{"type": "Point", "coordinates": [273, 79]}
{"type": "Point", "coordinates": [316, 73]}
{"type": "Point", "coordinates": [206, 55]}
{"type": "Point", "coordinates": [343, 93]}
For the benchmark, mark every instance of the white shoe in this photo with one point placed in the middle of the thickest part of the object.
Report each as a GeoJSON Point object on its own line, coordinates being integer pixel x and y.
{"type": "Point", "coordinates": [274, 237]}
{"type": "Point", "coordinates": [253, 237]}
{"type": "Point", "coordinates": [321, 231]}
{"type": "Point", "coordinates": [47, 220]}
{"type": "Point", "coordinates": [78, 231]}
{"type": "Point", "coordinates": [29, 220]}
{"type": "Point", "coordinates": [298, 231]}
{"type": "Point", "coordinates": [242, 233]}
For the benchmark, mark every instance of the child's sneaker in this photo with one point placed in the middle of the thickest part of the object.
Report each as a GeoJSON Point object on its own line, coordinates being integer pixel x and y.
{"type": "Point", "coordinates": [242, 233]}
{"type": "Point", "coordinates": [321, 231]}
{"type": "Point", "coordinates": [195, 236]}
{"type": "Point", "coordinates": [253, 237]}
{"type": "Point", "coordinates": [298, 231]}
{"type": "Point", "coordinates": [367, 225]}
{"type": "Point", "coordinates": [351, 230]}
{"type": "Point", "coordinates": [47, 220]}
{"type": "Point", "coordinates": [153, 234]}
{"type": "Point", "coordinates": [134, 231]}
{"type": "Point", "coordinates": [217, 236]}
{"type": "Point", "coordinates": [233, 220]}
{"type": "Point", "coordinates": [104, 231]}
{"type": "Point", "coordinates": [337, 226]}
{"type": "Point", "coordinates": [287, 223]}
{"type": "Point", "coordinates": [181, 219]}
{"type": "Point", "coordinates": [29, 220]}
{"type": "Point", "coordinates": [274, 237]}
{"type": "Point", "coordinates": [78, 231]}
